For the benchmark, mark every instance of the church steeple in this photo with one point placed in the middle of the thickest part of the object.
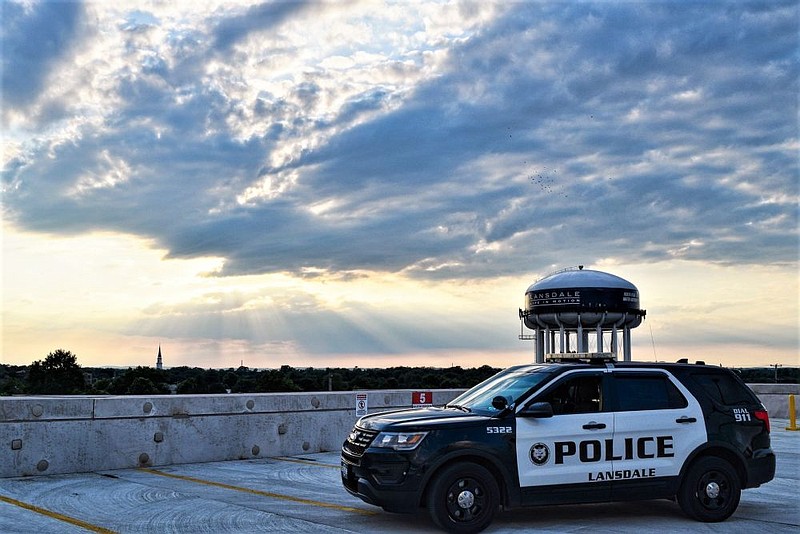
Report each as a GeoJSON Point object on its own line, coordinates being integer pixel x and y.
{"type": "Point", "coordinates": [159, 362]}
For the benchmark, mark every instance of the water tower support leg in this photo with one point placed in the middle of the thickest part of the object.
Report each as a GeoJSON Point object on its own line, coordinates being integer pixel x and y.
{"type": "Point", "coordinates": [614, 340]}
{"type": "Point", "coordinates": [599, 334]}
{"type": "Point", "coordinates": [547, 340]}
{"type": "Point", "coordinates": [539, 345]}
{"type": "Point", "coordinates": [626, 339]}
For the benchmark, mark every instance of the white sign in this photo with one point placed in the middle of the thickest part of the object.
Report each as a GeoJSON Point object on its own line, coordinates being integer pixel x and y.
{"type": "Point", "coordinates": [361, 404]}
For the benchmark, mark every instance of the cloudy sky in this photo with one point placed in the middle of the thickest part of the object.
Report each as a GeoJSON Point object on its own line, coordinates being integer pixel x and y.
{"type": "Point", "coordinates": [377, 183]}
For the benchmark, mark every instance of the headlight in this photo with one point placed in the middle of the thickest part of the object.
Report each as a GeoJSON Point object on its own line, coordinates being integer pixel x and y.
{"type": "Point", "coordinates": [399, 441]}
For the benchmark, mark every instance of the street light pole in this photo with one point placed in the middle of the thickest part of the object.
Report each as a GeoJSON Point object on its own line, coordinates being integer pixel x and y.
{"type": "Point", "coordinates": [776, 365]}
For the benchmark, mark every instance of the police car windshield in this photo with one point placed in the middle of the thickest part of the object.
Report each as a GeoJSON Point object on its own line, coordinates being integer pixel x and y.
{"type": "Point", "coordinates": [511, 383]}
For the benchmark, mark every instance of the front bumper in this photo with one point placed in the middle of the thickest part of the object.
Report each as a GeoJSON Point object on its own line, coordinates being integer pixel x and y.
{"type": "Point", "coordinates": [387, 480]}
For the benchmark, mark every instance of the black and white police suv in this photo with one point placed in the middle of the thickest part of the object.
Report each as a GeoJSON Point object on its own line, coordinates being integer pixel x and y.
{"type": "Point", "coordinates": [582, 431]}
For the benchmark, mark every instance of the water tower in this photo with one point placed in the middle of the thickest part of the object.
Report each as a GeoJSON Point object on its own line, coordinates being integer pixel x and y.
{"type": "Point", "coordinates": [579, 310]}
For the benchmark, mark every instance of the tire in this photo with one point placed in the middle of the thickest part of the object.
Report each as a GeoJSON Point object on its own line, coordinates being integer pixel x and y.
{"type": "Point", "coordinates": [463, 498]}
{"type": "Point", "coordinates": [710, 490]}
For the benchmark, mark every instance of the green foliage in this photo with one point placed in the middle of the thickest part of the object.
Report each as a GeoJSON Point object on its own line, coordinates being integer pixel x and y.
{"type": "Point", "coordinates": [767, 375]}
{"type": "Point", "coordinates": [140, 381]}
{"type": "Point", "coordinates": [12, 379]}
{"type": "Point", "coordinates": [101, 386]}
{"type": "Point", "coordinates": [188, 386]}
{"type": "Point", "coordinates": [230, 379]}
{"type": "Point", "coordinates": [245, 385]}
{"type": "Point", "coordinates": [143, 386]}
{"type": "Point", "coordinates": [272, 380]}
{"type": "Point", "coordinates": [58, 374]}
{"type": "Point", "coordinates": [201, 384]}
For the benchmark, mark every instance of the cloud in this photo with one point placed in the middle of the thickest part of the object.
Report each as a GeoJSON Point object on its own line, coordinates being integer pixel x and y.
{"type": "Point", "coordinates": [313, 325]}
{"type": "Point", "coordinates": [34, 38]}
{"type": "Point", "coordinates": [509, 141]}
{"type": "Point", "coordinates": [257, 18]}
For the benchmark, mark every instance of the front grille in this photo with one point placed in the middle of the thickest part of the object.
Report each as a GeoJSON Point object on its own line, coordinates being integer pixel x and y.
{"type": "Point", "coordinates": [358, 441]}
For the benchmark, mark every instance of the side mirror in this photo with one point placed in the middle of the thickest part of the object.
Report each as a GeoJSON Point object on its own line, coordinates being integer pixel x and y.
{"type": "Point", "coordinates": [537, 409]}
{"type": "Point", "coordinates": [500, 403]}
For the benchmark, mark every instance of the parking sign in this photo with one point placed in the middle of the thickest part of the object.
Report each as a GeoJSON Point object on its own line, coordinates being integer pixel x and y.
{"type": "Point", "coordinates": [421, 398]}
{"type": "Point", "coordinates": [361, 404]}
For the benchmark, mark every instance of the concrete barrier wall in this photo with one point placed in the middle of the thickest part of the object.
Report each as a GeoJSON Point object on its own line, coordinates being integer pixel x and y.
{"type": "Point", "coordinates": [50, 435]}
{"type": "Point", "coordinates": [776, 397]}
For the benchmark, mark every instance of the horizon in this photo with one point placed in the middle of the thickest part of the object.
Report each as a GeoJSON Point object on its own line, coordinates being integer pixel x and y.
{"type": "Point", "coordinates": [369, 184]}
{"type": "Point", "coordinates": [168, 367]}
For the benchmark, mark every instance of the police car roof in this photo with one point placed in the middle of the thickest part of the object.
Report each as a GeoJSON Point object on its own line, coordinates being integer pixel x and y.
{"type": "Point", "coordinates": [622, 365]}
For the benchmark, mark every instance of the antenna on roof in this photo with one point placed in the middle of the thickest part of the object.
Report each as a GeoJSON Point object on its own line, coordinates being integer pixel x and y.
{"type": "Point", "coordinates": [653, 341]}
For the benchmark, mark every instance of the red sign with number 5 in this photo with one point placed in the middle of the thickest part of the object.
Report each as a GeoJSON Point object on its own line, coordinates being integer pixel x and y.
{"type": "Point", "coordinates": [421, 398]}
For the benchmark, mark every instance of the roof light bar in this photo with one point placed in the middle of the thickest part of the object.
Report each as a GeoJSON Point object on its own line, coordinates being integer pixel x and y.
{"type": "Point", "coordinates": [580, 356]}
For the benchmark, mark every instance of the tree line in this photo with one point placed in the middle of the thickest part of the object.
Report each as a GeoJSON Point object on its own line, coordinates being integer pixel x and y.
{"type": "Point", "coordinates": [60, 374]}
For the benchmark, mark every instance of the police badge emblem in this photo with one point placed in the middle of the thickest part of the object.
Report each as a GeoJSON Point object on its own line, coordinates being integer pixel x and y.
{"type": "Point", "coordinates": [540, 454]}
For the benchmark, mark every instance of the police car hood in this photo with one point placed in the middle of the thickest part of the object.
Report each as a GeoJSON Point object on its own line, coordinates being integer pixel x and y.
{"type": "Point", "coordinates": [412, 419]}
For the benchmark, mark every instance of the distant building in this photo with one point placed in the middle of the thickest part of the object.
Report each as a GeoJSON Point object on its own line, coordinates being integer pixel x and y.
{"type": "Point", "coordinates": [159, 362]}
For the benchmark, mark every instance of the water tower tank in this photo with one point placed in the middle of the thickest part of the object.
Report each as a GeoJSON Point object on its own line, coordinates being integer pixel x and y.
{"type": "Point", "coordinates": [579, 301]}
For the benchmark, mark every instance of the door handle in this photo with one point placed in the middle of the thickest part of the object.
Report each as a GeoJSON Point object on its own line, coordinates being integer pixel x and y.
{"type": "Point", "coordinates": [685, 419]}
{"type": "Point", "coordinates": [594, 426]}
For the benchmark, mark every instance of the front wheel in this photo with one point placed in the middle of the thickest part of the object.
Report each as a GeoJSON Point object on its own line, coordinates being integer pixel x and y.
{"type": "Point", "coordinates": [710, 490]}
{"type": "Point", "coordinates": [463, 498]}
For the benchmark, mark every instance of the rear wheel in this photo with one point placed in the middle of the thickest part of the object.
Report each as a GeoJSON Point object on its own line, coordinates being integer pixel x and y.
{"type": "Point", "coordinates": [463, 498]}
{"type": "Point", "coordinates": [710, 491]}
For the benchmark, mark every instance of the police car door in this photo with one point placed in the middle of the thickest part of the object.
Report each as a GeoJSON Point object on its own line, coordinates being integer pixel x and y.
{"type": "Point", "coordinates": [557, 455]}
{"type": "Point", "coordinates": [657, 424]}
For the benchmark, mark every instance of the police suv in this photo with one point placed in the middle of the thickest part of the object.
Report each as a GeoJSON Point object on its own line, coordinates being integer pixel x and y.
{"type": "Point", "coordinates": [583, 430]}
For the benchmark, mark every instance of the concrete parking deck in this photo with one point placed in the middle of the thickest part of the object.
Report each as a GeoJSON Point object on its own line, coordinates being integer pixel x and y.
{"type": "Point", "coordinates": [304, 494]}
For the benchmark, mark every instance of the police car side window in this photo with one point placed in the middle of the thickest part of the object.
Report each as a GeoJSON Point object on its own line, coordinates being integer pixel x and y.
{"type": "Point", "coordinates": [578, 394]}
{"type": "Point", "coordinates": [724, 388]}
{"type": "Point", "coordinates": [636, 392]}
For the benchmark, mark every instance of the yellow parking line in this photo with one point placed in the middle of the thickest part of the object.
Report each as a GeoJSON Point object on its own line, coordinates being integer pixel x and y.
{"type": "Point", "coordinates": [306, 462]}
{"type": "Point", "coordinates": [259, 492]}
{"type": "Point", "coordinates": [56, 515]}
